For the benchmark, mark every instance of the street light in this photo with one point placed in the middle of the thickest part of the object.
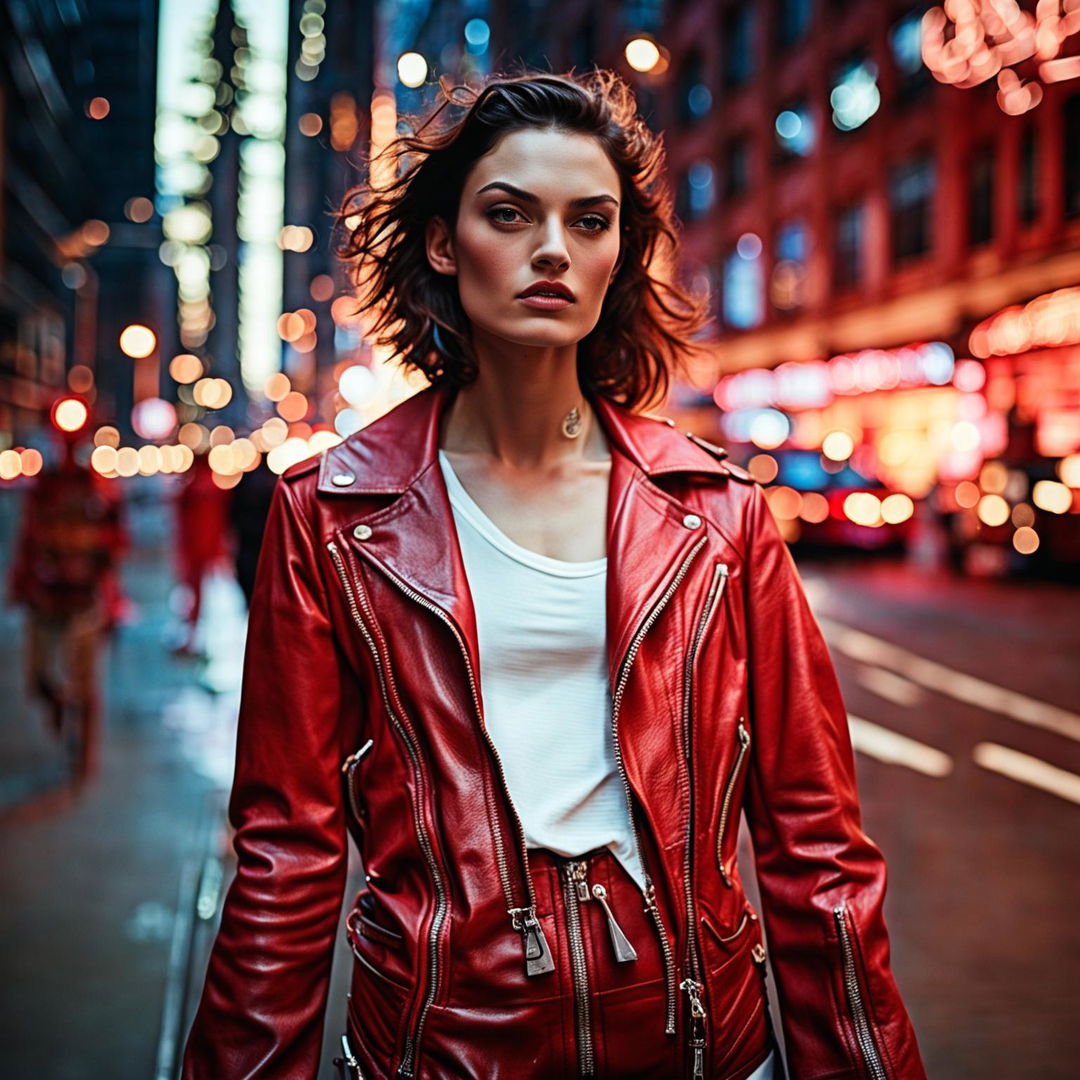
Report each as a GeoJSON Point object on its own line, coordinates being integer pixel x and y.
{"type": "Point", "coordinates": [70, 414]}
{"type": "Point", "coordinates": [642, 54]}
{"type": "Point", "coordinates": [137, 341]}
{"type": "Point", "coordinates": [412, 69]}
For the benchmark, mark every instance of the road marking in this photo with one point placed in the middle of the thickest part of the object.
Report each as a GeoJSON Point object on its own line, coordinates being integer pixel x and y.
{"type": "Point", "coordinates": [1028, 770]}
{"type": "Point", "coordinates": [896, 749]}
{"type": "Point", "coordinates": [885, 684]}
{"type": "Point", "coordinates": [955, 684]}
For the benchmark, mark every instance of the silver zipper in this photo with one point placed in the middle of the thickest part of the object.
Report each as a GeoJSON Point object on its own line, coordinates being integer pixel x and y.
{"type": "Point", "coordinates": [696, 1026]}
{"type": "Point", "coordinates": [616, 703]}
{"type": "Point", "coordinates": [725, 806]}
{"type": "Point", "coordinates": [405, 1069]}
{"type": "Point", "coordinates": [863, 1034]}
{"type": "Point", "coordinates": [538, 958]}
{"type": "Point", "coordinates": [576, 890]}
{"type": "Point", "coordinates": [712, 599]}
{"type": "Point", "coordinates": [348, 767]}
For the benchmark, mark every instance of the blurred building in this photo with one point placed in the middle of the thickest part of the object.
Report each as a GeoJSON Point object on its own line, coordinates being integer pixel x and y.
{"type": "Point", "coordinates": [855, 220]}
{"type": "Point", "coordinates": [78, 237]}
{"type": "Point", "coordinates": [331, 82]}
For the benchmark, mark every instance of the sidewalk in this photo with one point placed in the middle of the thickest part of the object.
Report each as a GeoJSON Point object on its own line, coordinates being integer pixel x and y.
{"type": "Point", "coordinates": [93, 925]}
{"type": "Point", "coordinates": [112, 895]}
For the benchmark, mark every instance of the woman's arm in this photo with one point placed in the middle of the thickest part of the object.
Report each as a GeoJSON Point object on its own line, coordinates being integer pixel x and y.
{"type": "Point", "coordinates": [822, 879]}
{"type": "Point", "coordinates": [262, 1008]}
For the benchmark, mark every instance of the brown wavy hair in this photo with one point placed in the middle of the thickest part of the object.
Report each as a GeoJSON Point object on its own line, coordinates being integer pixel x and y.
{"type": "Point", "coordinates": [647, 322]}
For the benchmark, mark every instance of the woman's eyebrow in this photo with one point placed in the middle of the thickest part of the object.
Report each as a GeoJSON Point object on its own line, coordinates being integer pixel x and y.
{"type": "Point", "coordinates": [528, 196]}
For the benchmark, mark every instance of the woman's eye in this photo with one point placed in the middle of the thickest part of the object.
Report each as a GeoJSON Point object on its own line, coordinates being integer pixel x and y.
{"type": "Point", "coordinates": [595, 223]}
{"type": "Point", "coordinates": [504, 215]}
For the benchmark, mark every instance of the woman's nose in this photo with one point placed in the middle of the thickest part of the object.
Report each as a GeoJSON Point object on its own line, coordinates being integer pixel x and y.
{"type": "Point", "coordinates": [552, 251]}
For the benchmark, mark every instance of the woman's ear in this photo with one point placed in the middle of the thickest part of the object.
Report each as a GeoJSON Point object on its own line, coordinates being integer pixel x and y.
{"type": "Point", "coordinates": [439, 245]}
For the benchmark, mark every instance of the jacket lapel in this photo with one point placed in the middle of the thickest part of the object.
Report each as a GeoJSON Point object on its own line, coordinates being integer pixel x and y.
{"type": "Point", "coordinates": [413, 539]}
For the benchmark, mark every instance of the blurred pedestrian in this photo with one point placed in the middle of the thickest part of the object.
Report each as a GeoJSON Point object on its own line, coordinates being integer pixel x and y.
{"type": "Point", "coordinates": [538, 652]}
{"type": "Point", "coordinates": [248, 511]}
{"type": "Point", "coordinates": [202, 516]}
{"type": "Point", "coordinates": [65, 573]}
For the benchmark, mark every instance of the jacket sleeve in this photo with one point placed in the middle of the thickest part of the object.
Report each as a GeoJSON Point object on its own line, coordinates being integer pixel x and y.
{"type": "Point", "coordinates": [822, 879]}
{"type": "Point", "coordinates": [262, 1008]}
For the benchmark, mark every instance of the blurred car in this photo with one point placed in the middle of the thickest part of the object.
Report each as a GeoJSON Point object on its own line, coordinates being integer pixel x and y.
{"type": "Point", "coordinates": [1016, 516]}
{"type": "Point", "coordinates": [828, 504]}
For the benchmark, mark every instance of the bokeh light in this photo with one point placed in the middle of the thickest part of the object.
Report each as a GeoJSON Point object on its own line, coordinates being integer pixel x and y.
{"type": "Point", "coordinates": [137, 341]}
{"type": "Point", "coordinates": [412, 70]}
{"type": "Point", "coordinates": [185, 368]}
{"type": "Point", "coordinates": [1052, 497]}
{"type": "Point", "coordinates": [70, 414]}
{"type": "Point", "coordinates": [763, 468]}
{"type": "Point", "coordinates": [642, 54]}
{"type": "Point", "coordinates": [1025, 540]}
{"type": "Point", "coordinates": [992, 510]}
{"type": "Point", "coordinates": [139, 209]}
{"type": "Point", "coordinates": [838, 446]}
{"type": "Point", "coordinates": [277, 386]}
{"type": "Point", "coordinates": [863, 508]}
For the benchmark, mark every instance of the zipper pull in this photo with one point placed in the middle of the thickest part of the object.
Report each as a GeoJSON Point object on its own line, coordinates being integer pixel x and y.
{"type": "Point", "coordinates": [538, 958]}
{"type": "Point", "coordinates": [576, 870]}
{"type": "Point", "coordinates": [357, 756]}
{"type": "Point", "coordinates": [624, 951]}
{"type": "Point", "coordinates": [697, 1025]}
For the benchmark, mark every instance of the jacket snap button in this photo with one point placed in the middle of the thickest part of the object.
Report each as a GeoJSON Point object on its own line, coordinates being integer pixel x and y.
{"type": "Point", "coordinates": [362, 532]}
{"type": "Point", "coordinates": [691, 521]}
{"type": "Point", "coordinates": [342, 479]}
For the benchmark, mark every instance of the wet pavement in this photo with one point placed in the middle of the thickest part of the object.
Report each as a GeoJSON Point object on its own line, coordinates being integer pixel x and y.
{"type": "Point", "coordinates": [963, 697]}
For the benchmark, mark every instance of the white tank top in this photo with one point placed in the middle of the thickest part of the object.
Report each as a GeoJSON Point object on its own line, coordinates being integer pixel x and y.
{"type": "Point", "coordinates": [541, 625]}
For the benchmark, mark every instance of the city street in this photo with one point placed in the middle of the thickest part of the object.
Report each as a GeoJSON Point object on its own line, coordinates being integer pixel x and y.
{"type": "Point", "coordinates": [960, 694]}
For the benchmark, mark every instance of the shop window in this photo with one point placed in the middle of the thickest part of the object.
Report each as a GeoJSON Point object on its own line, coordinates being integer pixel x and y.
{"type": "Point", "coordinates": [981, 196]}
{"type": "Point", "coordinates": [792, 21]}
{"type": "Point", "coordinates": [854, 96]}
{"type": "Point", "coordinates": [849, 247]}
{"type": "Point", "coordinates": [1029, 176]}
{"type": "Point", "coordinates": [911, 199]}
{"type": "Point", "coordinates": [1072, 155]}
{"type": "Point", "coordinates": [694, 96]}
{"type": "Point", "coordinates": [643, 16]}
{"type": "Point", "coordinates": [697, 191]}
{"type": "Point", "coordinates": [737, 168]}
{"type": "Point", "coordinates": [743, 301]}
{"type": "Point", "coordinates": [905, 44]}
{"type": "Point", "coordinates": [739, 27]}
{"type": "Point", "coordinates": [794, 127]}
{"type": "Point", "coordinates": [787, 284]}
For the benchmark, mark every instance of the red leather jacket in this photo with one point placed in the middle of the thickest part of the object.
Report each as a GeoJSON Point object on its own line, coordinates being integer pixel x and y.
{"type": "Point", "coordinates": [361, 712]}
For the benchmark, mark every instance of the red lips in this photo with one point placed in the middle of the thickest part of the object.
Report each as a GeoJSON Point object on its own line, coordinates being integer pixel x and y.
{"type": "Point", "coordinates": [552, 288]}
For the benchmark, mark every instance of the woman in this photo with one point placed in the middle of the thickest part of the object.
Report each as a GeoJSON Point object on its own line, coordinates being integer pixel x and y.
{"type": "Point", "coordinates": [536, 652]}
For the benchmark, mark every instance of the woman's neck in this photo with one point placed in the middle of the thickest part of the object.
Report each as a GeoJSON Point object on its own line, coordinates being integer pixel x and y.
{"type": "Point", "coordinates": [514, 410]}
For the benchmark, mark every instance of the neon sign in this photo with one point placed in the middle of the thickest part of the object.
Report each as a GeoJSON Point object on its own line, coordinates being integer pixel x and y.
{"type": "Point", "coordinates": [1048, 321]}
{"type": "Point", "coordinates": [967, 42]}
{"type": "Point", "coordinates": [815, 384]}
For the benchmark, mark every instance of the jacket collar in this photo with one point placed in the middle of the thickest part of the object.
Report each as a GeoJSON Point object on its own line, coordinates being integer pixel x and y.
{"type": "Point", "coordinates": [388, 456]}
{"type": "Point", "coordinates": [650, 532]}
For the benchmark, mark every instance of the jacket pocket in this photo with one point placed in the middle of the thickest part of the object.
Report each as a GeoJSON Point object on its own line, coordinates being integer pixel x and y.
{"type": "Point", "coordinates": [350, 769]}
{"type": "Point", "coordinates": [379, 991]}
{"type": "Point", "coordinates": [727, 810]}
{"type": "Point", "coordinates": [723, 947]}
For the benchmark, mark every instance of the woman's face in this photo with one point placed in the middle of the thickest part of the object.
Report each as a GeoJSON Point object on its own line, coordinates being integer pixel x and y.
{"type": "Point", "coordinates": [536, 243]}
